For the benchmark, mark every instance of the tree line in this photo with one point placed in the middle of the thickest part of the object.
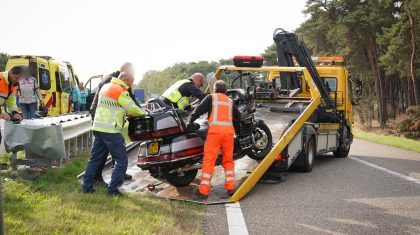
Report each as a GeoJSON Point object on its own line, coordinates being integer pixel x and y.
{"type": "Point", "coordinates": [380, 39]}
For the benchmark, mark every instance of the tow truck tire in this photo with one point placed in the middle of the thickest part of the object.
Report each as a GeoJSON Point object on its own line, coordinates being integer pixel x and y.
{"type": "Point", "coordinates": [341, 153]}
{"type": "Point", "coordinates": [344, 149]}
{"type": "Point", "coordinates": [308, 156]}
{"type": "Point", "coordinates": [259, 154]}
{"type": "Point", "coordinates": [180, 179]}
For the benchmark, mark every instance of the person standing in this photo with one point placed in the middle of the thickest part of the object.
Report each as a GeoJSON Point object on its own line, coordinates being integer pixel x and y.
{"type": "Point", "coordinates": [222, 115]}
{"type": "Point", "coordinates": [126, 68]}
{"type": "Point", "coordinates": [83, 95]}
{"type": "Point", "coordinates": [29, 94]}
{"type": "Point", "coordinates": [114, 104]}
{"type": "Point", "coordinates": [75, 96]}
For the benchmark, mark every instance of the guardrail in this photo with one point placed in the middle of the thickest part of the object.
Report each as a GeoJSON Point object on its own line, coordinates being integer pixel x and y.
{"type": "Point", "coordinates": [75, 136]}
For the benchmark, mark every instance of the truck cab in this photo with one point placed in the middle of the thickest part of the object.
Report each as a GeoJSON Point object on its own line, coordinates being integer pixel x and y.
{"type": "Point", "coordinates": [54, 78]}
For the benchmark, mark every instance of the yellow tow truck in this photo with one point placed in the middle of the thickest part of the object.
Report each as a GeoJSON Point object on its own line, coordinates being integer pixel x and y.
{"type": "Point", "coordinates": [54, 79]}
{"type": "Point", "coordinates": [310, 114]}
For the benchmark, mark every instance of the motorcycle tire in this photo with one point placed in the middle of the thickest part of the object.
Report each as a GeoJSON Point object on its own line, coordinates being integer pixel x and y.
{"type": "Point", "coordinates": [259, 154]}
{"type": "Point", "coordinates": [180, 179]}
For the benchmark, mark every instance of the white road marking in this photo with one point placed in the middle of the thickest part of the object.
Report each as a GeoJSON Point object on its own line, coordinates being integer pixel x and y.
{"type": "Point", "coordinates": [235, 219]}
{"type": "Point", "coordinates": [411, 179]}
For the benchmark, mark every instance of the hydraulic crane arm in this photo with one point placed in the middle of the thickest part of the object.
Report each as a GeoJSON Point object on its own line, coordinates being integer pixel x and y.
{"type": "Point", "coordinates": [289, 46]}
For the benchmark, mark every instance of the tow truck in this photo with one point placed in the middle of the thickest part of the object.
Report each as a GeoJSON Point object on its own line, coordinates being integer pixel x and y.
{"type": "Point", "coordinates": [314, 116]}
{"type": "Point", "coordinates": [324, 120]}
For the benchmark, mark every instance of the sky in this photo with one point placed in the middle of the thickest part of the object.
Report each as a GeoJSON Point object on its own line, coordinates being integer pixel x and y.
{"type": "Point", "coordinates": [98, 36]}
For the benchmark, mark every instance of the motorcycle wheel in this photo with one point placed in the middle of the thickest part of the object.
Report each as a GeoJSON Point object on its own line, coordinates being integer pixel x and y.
{"type": "Point", "coordinates": [180, 179]}
{"type": "Point", "coordinates": [263, 142]}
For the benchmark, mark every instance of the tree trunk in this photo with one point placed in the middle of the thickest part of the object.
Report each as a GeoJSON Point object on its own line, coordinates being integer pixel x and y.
{"type": "Point", "coordinates": [378, 78]}
{"type": "Point", "coordinates": [411, 98]}
{"type": "Point", "coordinates": [393, 97]}
{"type": "Point", "coordinates": [416, 86]}
{"type": "Point", "coordinates": [403, 81]}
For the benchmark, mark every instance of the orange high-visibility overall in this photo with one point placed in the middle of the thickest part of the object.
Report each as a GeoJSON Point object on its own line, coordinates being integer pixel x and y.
{"type": "Point", "coordinates": [219, 136]}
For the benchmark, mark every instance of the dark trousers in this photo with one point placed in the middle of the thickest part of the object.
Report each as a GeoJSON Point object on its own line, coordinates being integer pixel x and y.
{"type": "Point", "coordinates": [101, 166]}
{"type": "Point", "coordinates": [29, 110]}
{"type": "Point", "coordinates": [104, 143]}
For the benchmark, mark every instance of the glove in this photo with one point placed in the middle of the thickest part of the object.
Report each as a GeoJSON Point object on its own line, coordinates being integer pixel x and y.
{"type": "Point", "coordinates": [191, 127]}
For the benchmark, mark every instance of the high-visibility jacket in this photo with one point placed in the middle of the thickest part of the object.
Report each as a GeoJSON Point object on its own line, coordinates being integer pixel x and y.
{"type": "Point", "coordinates": [221, 113]}
{"type": "Point", "coordinates": [114, 103]}
{"type": "Point", "coordinates": [173, 94]}
{"type": "Point", "coordinates": [7, 92]}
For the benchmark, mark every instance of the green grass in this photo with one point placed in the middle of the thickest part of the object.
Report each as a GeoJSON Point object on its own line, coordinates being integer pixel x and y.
{"type": "Point", "coordinates": [53, 205]}
{"type": "Point", "coordinates": [395, 141]}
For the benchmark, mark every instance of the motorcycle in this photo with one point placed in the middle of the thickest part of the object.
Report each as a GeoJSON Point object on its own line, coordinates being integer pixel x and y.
{"type": "Point", "coordinates": [169, 151]}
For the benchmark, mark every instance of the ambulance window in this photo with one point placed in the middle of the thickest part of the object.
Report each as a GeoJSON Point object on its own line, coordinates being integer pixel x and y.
{"type": "Point", "coordinates": [65, 83]}
{"type": "Point", "coordinates": [71, 77]}
{"type": "Point", "coordinates": [57, 81]}
{"type": "Point", "coordinates": [44, 79]}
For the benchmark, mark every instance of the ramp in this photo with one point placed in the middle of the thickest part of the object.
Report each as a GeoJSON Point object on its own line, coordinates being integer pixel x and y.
{"type": "Point", "coordinates": [255, 176]}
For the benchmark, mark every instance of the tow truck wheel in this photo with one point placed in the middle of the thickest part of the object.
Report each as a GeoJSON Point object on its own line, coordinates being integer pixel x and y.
{"type": "Point", "coordinates": [308, 156]}
{"type": "Point", "coordinates": [263, 142]}
{"type": "Point", "coordinates": [344, 149]}
{"type": "Point", "coordinates": [180, 179]}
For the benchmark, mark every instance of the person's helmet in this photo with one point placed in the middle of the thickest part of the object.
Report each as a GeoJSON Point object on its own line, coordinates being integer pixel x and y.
{"type": "Point", "coordinates": [42, 112]}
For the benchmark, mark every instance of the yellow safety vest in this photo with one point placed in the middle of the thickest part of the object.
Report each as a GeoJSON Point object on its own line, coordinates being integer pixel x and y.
{"type": "Point", "coordinates": [114, 102]}
{"type": "Point", "coordinates": [173, 94]}
{"type": "Point", "coordinates": [10, 100]}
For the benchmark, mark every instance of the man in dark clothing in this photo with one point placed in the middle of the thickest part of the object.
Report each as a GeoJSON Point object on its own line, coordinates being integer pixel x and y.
{"type": "Point", "coordinates": [180, 93]}
{"type": "Point", "coordinates": [128, 68]}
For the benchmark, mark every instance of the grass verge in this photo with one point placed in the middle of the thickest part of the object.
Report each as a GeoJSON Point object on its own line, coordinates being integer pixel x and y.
{"type": "Point", "coordinates": [53, 205]}
{"type": "Point", "coordinates": [395, 141]}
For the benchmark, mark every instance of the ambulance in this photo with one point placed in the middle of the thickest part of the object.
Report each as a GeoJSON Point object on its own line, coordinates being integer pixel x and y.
{"type": "Point", "coordinates": [54, 78]}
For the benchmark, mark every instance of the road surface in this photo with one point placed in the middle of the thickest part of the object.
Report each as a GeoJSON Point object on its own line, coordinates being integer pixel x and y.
{"type": "Point", "coordinates": [376, 190]}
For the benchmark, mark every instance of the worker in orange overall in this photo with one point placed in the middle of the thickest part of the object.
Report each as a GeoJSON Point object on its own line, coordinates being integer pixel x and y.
{"type": "Point", "coordinates": [220, 136]}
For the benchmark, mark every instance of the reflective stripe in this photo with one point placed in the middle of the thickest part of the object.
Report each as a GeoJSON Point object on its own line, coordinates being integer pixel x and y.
{"type": "Point", "coordinates": [206, 182]}
{"type": "Point", "coordinates": [104, 126]}
{"type": "Point", "coordinates": [229, 172]}
{"type": "Point", "coordinates": [206, 175]}
{"type": "Point", "coordinates": [182, 103]}
{"type": "Point", "coordinates": [131, 103]}
{"type": "Point", "coordinates": [230, 179]}
{"type": "Point", "coordinates": [216, 104]}
{"type": "Point", "coordinates": [110, 107]}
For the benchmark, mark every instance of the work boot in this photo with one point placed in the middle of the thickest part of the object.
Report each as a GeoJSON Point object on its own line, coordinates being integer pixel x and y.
{"type": "Point", "coordinates": [88, 190]}
{"type": "Point", "coordinates": [128, 177]}
{"type": "Point", "coordinates": [116, 194]}
{"type": "Point", "coordinates": [200, 195]}
{"type": "Point", "coordinates": [231, 192]}
{"type": "Point", "coordinates": [100, 182]}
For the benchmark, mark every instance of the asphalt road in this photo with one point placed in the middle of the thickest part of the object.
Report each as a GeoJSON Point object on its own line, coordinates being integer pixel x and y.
{"type": "Point", "coordinates": [340, 196]}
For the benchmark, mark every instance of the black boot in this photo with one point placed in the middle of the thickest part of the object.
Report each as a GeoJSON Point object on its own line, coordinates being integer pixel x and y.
{"type": "Point", "coordinates": [100, 182]}
{"type": "Point", "coordinates": [128, 177]}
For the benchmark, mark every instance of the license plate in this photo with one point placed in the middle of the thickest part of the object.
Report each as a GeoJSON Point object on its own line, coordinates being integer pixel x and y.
{"type": "Point", "coordinates": [153, 148]}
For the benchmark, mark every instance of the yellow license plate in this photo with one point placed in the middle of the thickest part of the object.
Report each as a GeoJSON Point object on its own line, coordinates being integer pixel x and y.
{"type": "Point", "coordinates": [153, 148]}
